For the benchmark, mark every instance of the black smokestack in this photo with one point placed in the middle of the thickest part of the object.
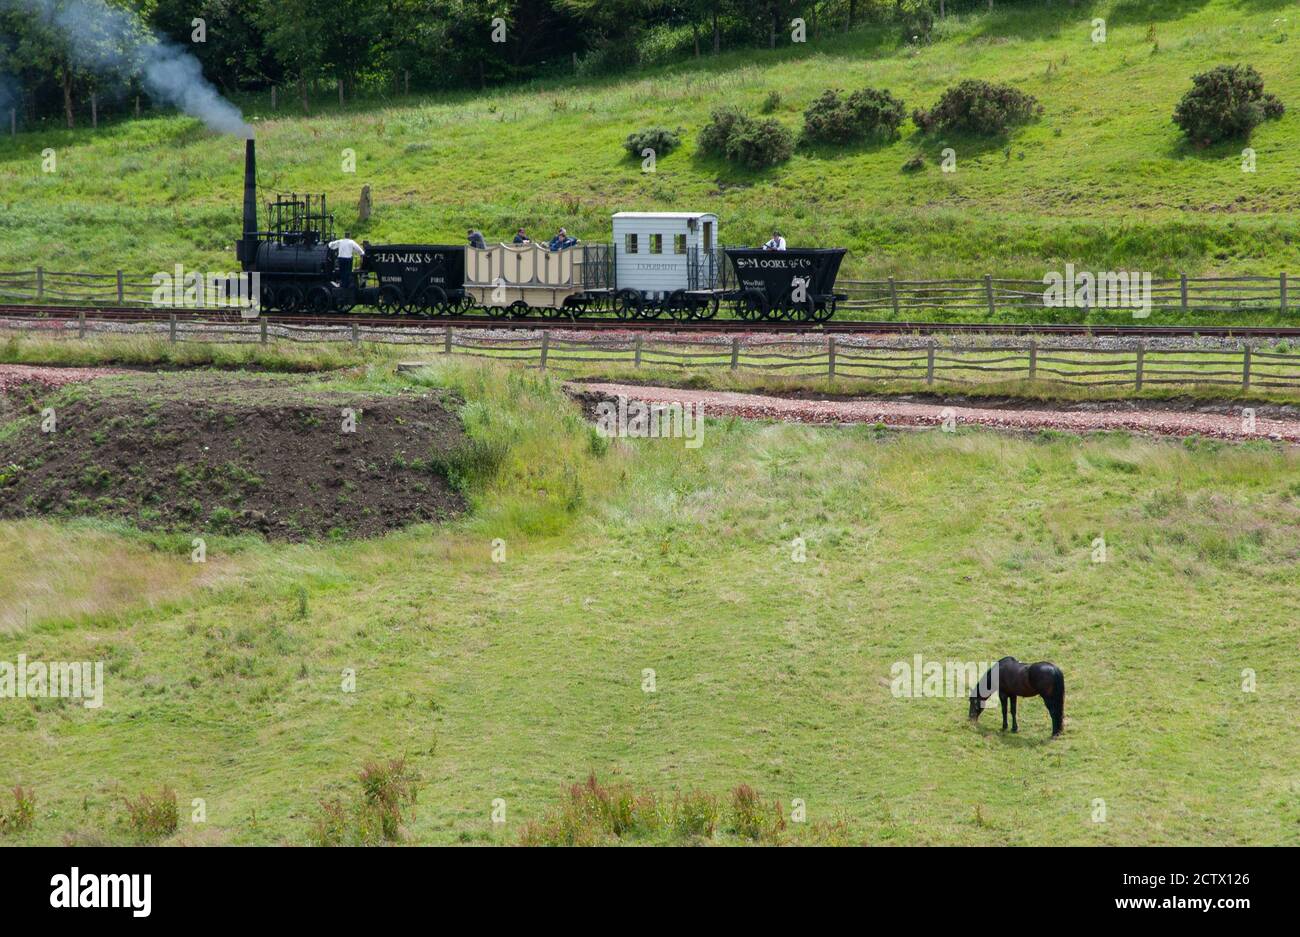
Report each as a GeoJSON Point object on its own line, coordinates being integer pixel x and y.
{"type": "Point", "coordinates": [250, 205]}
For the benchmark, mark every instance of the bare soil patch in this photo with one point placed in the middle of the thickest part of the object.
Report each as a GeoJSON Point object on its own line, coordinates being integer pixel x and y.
{"type": "Point", "coordinates": [224, 456]}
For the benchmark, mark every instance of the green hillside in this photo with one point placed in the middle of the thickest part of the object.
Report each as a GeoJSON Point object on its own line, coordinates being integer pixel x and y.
{"type": "Point", "coordinates": [1102, 180]}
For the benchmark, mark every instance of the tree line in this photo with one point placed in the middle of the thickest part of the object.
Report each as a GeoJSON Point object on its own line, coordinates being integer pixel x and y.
{"type": "Point", "coordinates": [56, 61]}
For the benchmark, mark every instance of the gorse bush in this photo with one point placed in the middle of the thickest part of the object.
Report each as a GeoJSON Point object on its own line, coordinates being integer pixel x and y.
{"type": "Point", "coordinates": [978, 107]}
{"type": "Point", "coordinates": [739, 138]}
{"type": "Point", "coordinates": [660, 140]}
{"type": "Point", "coordinates": [375, 814]}
{"type": "Point", "coordinates": [1225, 103]}
{"type": "Point", "coordinates": [152, 817]}
{"type": "Point", "coordinates": [864, 114]}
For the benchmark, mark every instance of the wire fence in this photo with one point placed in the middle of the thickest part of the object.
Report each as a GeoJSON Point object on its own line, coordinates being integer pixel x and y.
{"type": "Point", "coordinates": [920, 363]}
{"type": "Point", "coordinates": [1130, 294]}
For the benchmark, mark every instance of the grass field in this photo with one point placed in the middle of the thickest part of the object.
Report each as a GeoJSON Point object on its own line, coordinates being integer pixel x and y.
{"type": "Point", "coordinates": [1103, 180]}
{"type": "Point", "coordinates": [507, 680]}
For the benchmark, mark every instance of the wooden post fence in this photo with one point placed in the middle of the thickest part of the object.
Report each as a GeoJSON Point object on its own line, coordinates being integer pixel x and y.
{"type": "Point", "coordinates": [636, 359]}
{"type": "Point", "coordinates": [262, 329]}
{"type": "Point", "coordinates": [121, 289]}
{"type": "Point", "coordinates": [1245, 369]}
{"type": "Point", "coordinates": [171, 328]}
{"type": "Point", "coordinates": [546, 345]}
{"type": "Point", "coordinates": [830, 357]}
{"type": "Point", "coordinates": [1033, 360]}
{"type": "Point", "coordinates": [1281, 282]}
{"type": "Point", "coordinates": [81, 323]}
{"type": "Point", "coordinates": [40, 283]}
{"type": "Point", "coordinates": [1182, 280]}
{"type": "Point", "coordinates": [735, 353]}
{"type": "Point", "coordinates": [1141, 361]}
{"type": "Point", "coordinates": [929, 363]}
{"type": "Point", "coordinates": [446, 347]}
{"type": "Point", "coordinates": [356, 336]}
{"type": "Point", "coordinates": [988, 290]}
{"type": "Point", "coordinates": [893, 294]}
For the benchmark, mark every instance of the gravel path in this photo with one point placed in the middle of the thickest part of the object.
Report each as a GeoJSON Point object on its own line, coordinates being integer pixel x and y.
{"type": "Point", "coordinates": [1161, 422]}
{"type": "Point", "coordinates": [12, 375]}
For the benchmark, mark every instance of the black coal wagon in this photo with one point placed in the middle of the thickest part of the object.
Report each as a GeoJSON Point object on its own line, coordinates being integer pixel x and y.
{"type": "Point", "coordinates": [422, 279]}
{"type": "Point", "coordinates": [792, 284]}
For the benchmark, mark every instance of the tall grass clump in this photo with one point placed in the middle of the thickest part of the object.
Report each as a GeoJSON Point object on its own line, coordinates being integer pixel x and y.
{"type": "Point", "coordinates": [592, 814]}
{"type": "Point", "coordinates": [19, 817]}
{"type": "Point", "coordinates": [375, 813]}
{"type": "Point", "coordinates": [151, 817]}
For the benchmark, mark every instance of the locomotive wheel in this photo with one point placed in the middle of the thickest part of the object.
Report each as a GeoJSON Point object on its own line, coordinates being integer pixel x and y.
{"type": "Point", "coordinates": [289, 299]}
{"type": "Point", "coordinates": [389, 302]}
{"type": "Point", "coordinates": [752, 306]}
{"type": "Point", "coordinates": [519, 309]}
{"type": "Point", "coordinates": [627, 304]}
{"type": "Point", "coordinates": [319, 301]}
{"type": "Point", "coordinates": [268, 299]}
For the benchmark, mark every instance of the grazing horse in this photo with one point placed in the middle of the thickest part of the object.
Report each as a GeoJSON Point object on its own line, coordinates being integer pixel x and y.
{"type": "Point", "coordinates": [1011, 679]}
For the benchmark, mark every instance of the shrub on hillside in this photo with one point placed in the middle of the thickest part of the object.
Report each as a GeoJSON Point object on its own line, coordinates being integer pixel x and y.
{"type": "Point", "coordinates": [375, 815]}
{"type": "Point", "coordinates": [978, 107]}
{"type": "Point", "coordinates": [151, 817]}
{"type": "Point", "coordinates": [739, 138]}
{"type": "Point", "coordinates": [659, 139]}
{"type": "Point", "coordinates": [869, 112]}
{"type": "Point", "coordinates": [20, 817]}
{"type": "Point", "coordinates": [1224, 103]}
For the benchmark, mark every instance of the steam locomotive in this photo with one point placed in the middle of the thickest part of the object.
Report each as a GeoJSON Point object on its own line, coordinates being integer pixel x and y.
{"type": "Point", "coordinates": [660, 263]}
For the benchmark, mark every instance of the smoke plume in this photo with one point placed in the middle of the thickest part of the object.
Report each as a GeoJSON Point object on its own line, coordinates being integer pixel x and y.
{"type": "Point", "coordinates": [114, 43]}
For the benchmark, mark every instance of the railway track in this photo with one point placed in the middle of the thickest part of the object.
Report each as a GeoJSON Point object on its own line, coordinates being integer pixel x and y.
{"type": "Point", "coordinates": [133, 314]}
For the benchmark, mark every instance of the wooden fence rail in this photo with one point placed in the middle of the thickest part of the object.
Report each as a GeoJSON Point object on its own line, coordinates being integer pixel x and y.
{"type": "Point", "coordinates": [921, 363]}
{"type": "Point", "coordinates": [901, 299]}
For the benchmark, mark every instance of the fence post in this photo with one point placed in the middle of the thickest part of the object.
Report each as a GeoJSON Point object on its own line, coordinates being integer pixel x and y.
{"type": "Point", "coordinates": [546, 345]}
{"type": "Point", "coordinates": [1282, 290]}
{"type": "Point", "coordinates": [988, 290]}
{"type": "Point", "coordinates": [735, 353]}
{"type": "Point", "coordinates": [1245, 369]}
{"type": "Point", "coordinates": [121, 291]}
{"type": "Point", "coordinates": [893, 294]}
{"type": "Point", "coordinates": [446, 343]}
{"type": "Point", "coordinates": [1033, 359]}
{"type": "Point", "coordinates": [636, 357]}
{"type": "Point", "coordinates": [81, 323]}
{"type": "Point", "coordinates": [40, 283]}
{"type": "Point", "coordinates": [929, 363]}
{"type": "Point", "coordinates": [356, 335]}
{"type": "Point", "coordinates": [830, 357]}
{"type": "Point", "coordinates": [262, 329]}
{"type": "Point", "coordinates": [1141, 363]}
{"type": "Point", "coordinates": [171, 328]}
{"type": "Point", "coordinates": [1182, 280]}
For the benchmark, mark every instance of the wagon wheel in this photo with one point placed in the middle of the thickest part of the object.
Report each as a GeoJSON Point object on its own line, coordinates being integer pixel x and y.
{"type": "Point", "coordinates": [268, 298]}
{"type": "Point", "coordinates": [429, 300]}
{"type": "Point", "coordinates": [752, 306]}
{"type": "Point", "coordinates": [706, 308]}
{"type": "Point", "coordinates": [319, 300]}
{"type": "Point", "coordinates": [825, 310]}
{"type": "Point", "coordinates": [519, 309]}
{"type": "Point", "coordinates": [653, 309]}
{"type": "Point", "coordinates": [575, 307]}
{"type": "Point", "coordinates": [389, 302]}
{"type": "Point", "coordinates": [460, 305]}
{"type": "Point", "coordinates": [497, 312]}
{"type": "Point", "coordinates": [680, 306]}
{"type": "Point", "coordinates": [627, 304]}
{"type": "Point", "coordinates": [805, 311]}
{"type": "Point", "coordinates": [288, 298]}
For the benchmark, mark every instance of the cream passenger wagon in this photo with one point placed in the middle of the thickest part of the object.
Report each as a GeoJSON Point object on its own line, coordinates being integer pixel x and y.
{"type": "Point", "coordinates": [512, 279]}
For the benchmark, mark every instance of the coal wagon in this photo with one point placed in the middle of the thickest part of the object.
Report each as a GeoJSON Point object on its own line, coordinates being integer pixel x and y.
{"type": "Point", "coordinates": [796, 284]}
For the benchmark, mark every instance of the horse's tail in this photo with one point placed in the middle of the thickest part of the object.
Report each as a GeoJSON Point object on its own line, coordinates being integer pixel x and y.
{"type": "Point", "coordinates": [1056, 705]}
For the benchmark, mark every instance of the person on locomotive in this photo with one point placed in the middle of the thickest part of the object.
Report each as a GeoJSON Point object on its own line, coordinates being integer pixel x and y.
{"type": "Point", "coordinates": [346, 248]}
{"type": "Point", "coordinates": [476, 239]}
{"type": "Point", "coordinates": [522, 238]}
{"type": "Point", "coordinates": [776, 244]}
{"type": "Point", "coordinates": [561, 241]}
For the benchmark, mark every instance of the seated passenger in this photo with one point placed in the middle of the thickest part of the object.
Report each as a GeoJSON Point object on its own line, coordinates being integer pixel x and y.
{"type": "Point", "coordinates": [776, 244]}
{"type": "Point", "coordinates": [476, 239]}
{"type": "Point", "coordinates": [561, 241]}
{"type": "Point", "coordinates": [521, 237]}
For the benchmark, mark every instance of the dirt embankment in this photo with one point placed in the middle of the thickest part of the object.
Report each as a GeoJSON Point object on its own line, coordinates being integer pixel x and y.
{"type": "Point", "coordinates": [258, 462]}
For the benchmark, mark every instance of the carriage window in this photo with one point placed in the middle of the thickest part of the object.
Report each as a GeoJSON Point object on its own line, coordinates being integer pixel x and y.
{"type": "Point", "coordinates": [679, 243]}
{"type": "Point", "coordinates": [629, 244]}
{"type": "Point", "coordinates": [708, 235]}
{"type": "Point", "coordinates": [656, 243]}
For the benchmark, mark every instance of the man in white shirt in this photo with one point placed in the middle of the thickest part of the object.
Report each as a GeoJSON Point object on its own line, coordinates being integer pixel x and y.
{"type": "Point", "coordinates": [776, 244]}
{"type": "Point", "coordinates": [346, 247]}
